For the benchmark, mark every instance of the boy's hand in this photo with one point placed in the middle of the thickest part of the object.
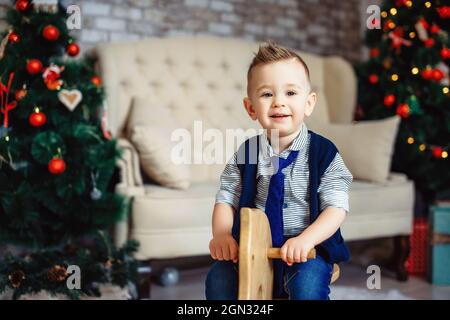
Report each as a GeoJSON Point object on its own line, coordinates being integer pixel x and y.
{"type": "Point", "coordinates": [224, 247]}
{"type": "Point", "coordinates": [296, 249]}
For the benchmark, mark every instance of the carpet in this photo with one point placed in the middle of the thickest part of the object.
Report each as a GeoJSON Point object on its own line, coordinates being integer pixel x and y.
{"type": "Point", "coordinates": [352, 293]}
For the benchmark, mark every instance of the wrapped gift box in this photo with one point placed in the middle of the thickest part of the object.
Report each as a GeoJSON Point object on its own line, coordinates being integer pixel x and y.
{"type": "Point", "coordinates": [439, 259]}
{"type": "Point", "coordinates": [416, 263]}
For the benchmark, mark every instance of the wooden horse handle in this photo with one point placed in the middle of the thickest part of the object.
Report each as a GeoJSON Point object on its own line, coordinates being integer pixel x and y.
{"type": "Point", "coordinates": [274, 253]}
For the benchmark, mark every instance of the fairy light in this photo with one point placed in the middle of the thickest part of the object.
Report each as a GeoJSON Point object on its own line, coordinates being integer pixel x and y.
{"type": "Point", "coordinates": [394, 77]}
{"type": "Point", "coordinates": [415, 70]}
{"type": "Point", "coordinates": [422, 147]}
{"type": "Point", "coordinates": [410, 140]}
{"type": "Point", "coordinates": [384, 14]}
{"type": "Point", "coordinates": [445, 90]}
{"type": "Point", "coordinates": [428, 4]}
{"type": "Point", "coordinates": [391, 25]}
{"type": "Point", "coordinates": [7, 138]}
{"type": "Point", "coordinates": [412, 35]}
{"type": "Point", "coordinates": [393, 11]}
{"type": "Point", "coordinates": [444, 154]}
{"type": "Point", "coordinates": [409, 3]}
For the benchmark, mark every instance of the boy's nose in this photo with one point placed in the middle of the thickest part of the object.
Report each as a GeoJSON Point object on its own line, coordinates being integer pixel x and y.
{"type": "Point", "coordinates": [279, 102]}
{"type": "Point", "coordinates": [278, 105]}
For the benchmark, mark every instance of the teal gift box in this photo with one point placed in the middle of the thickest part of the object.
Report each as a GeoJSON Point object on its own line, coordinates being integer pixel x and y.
{"type": "Point", "coordinates": [439, 268]}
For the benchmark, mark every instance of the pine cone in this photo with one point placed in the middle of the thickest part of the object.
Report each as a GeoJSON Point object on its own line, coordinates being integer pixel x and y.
{"type": "Point", "coordinates": [16, 278]}
{"type": "Point", "coordinates": [57, 273]}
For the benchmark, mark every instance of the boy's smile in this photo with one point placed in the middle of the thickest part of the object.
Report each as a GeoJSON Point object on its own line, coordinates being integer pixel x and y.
{"type": "Point", "coordinates": [279, 96]}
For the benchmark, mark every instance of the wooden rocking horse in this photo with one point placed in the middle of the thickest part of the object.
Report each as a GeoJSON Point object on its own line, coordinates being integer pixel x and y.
{"type": "Point", "coordinates": [256, 254]}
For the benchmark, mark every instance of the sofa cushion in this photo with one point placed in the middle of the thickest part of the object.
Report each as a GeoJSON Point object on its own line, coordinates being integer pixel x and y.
{"type": "Point", "coordinates": [154, 147]}
{"type": "Point", "coordinates": [147, 111]}
{"type": "Point", "coordinates": [380, 209]}
{"type": "Point", "coordinates": [366, 146]}
{"type": "Point", "coordinates": [165, 218]}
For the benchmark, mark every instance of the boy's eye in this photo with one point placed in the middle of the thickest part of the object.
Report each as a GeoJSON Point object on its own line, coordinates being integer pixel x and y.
{"type": "Point", "coordinates": [291, 93]}
{"type": "Point", "coordinates": [266, 94]}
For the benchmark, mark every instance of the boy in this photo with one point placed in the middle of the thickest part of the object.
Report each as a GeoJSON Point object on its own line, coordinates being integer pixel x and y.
{"type": "Point", "coordinates": [300, 181]}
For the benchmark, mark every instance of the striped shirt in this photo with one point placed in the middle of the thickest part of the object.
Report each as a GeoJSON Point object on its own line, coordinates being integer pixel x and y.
{"type": "Point", "coordinates": [333, 188]}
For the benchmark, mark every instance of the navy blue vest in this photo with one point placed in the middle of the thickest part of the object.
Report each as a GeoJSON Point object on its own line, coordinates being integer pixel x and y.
{"type": "Point", "coordinates": [321, 153]}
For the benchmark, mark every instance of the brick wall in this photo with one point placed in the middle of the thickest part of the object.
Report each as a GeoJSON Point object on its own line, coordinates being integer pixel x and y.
{"type": "Point", "coordinates": [317, 26]}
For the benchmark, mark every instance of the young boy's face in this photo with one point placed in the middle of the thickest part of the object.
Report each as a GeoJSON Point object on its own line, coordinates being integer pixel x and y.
{"type": "Point", "coordinates": [280, 96]}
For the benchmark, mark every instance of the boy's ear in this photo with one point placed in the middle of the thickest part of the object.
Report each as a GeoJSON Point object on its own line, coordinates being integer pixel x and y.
{"type": "Point", "coordinates": [248, 106]}
{"type": "Point", "coordinates": [310, 103]}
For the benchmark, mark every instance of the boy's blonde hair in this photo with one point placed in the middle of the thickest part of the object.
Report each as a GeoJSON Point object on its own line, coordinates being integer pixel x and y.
{"type": "Point", "coordinates": [272, 52]}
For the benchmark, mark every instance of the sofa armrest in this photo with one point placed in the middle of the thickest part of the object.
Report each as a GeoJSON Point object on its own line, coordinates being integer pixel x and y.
{"type": "Point", "coordinates": [130, 176]}
{"type": "Point", "coordinates": [340, 88]}
{"type": "Point", "coordinates": [130, 185]}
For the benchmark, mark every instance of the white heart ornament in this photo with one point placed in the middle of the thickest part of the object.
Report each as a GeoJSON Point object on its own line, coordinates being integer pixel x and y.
{"type": "Point", "coordinates": [70, 98]}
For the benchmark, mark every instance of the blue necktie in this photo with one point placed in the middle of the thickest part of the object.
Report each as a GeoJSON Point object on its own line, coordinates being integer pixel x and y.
{"type": "Point", "coordinates": [275, 198]}
{"type": "Point", "coordinates": [274, 212]}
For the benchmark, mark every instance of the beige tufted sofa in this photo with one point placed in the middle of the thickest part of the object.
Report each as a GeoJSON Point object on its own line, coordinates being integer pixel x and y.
{"type": "Point", "coordinates": [203, 78]}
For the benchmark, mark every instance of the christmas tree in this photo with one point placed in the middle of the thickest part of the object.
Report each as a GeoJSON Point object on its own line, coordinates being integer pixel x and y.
{"type": "Point", "coordinates": [57, 159]}
{"type": "Point", "coordinates": [408, 75]}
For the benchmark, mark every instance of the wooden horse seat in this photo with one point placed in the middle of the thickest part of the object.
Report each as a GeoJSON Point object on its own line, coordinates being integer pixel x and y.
{"type": "Point", "coordinates": [256, 254]}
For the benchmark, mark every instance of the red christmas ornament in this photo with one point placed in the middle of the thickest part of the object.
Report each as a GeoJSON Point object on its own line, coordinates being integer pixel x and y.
{"type": "Point", "coordinates": [435, 29]}
{"type": "Point", "coordinates": [20, 94]}
{"type": "Point", "coordinates": [438, 75]}
{"type": "Point", "coordinates": [34, 66]}
{"type": "Point", "coordinates": [429, 43]}
{"type": "Point", "coordinates": [37, 119]}
{"type": "Point", "coordinates": [374, 52]}
{"type": "Point", "coordinates": [444, 12]}
{"type": "Point", "coordinates": [373, 79]}
{"type": "Point", "coordinates": [403, 110]}
{"type": "Point", "coordinates": [51, 33]}
{"type": "Point", "coordinates": [72, 49]}
{"type": "Point", "coordinates": [437, 152]}
{"type": "Point", "coordinates": [424, 23]}
{"type": "Point", "coordinates": [22, 5]}
{"type": "Point", "coordinates": [389, 100]}
{"type": "Point", "coordinates": [96, 80]}
{"type": "Point", "coordinates": [445, 53]}
{"type": "Point", "coordinates": [56, 166]}
{"type": "Point", "coordinates": [389, 24]}
{"type": "Point", "coordinates": [13, 37]}
{"type": "Point", "coordinates": [427, 74]}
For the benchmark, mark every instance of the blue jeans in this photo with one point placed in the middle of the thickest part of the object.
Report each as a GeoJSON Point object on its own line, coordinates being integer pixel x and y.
{"type": "Point", "coordinates": [302, 281]}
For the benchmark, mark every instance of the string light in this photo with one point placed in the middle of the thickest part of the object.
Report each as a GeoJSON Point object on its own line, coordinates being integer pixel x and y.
{"type": "Point", "coordinates": [422, 147]}
{"type": "Point", "coordinates": [445, 90]}
{"type": "Point", "coordinates": [412, 35]}
{"type": "Point", "coordinates": [7, 138]}
{"type": "Point", "coordinates": [428, 4]}
{"type": "Point", "coordinates": [410, 140]}
{"type": "Point", "coordinates": [393, 11]}
{"type": "Point", "coordinates": [391, 25]}
{"type": "Point", "coordinates": [394, 77]}
{"type": "Point", "coordinates": [444, 154]}
{"type": "Point", "coordinates": [415, 70]}
{"type": "Point", "coordinates": [384, 14]}
{"type": "Point", "coordinates": [409, 3]}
